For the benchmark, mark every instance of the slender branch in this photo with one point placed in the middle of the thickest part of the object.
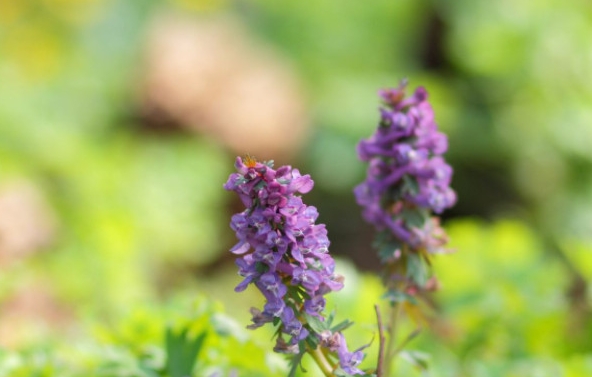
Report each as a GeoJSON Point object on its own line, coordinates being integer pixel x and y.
{"type": "Point", "coordinates": [381, 339]}
{"type": "Point", "coordinates": [322, 362]}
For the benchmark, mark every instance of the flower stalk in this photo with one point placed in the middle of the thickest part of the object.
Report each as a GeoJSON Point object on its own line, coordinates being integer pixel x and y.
{"type": "Point", "coordinates": [322, 362]}
{"type": "Point", "coordinates": [391, 348]}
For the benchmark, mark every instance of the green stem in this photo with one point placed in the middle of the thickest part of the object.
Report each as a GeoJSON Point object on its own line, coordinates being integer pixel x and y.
{"type": "Point", "coordinates": [380, 364]}
{"type": "Point", "coordinates": [391, 349]}
{"type": "Point", "coordinates": [322, 362]}
{"type": "Point", "coordinates": [326, 353]}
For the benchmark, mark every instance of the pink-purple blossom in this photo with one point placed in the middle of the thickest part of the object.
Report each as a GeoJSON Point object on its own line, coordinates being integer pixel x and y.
{"type": "Point", "coordinates": [285, 254]}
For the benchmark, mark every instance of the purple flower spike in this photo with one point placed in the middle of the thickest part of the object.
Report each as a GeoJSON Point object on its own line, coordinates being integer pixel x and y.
{"type": "Point", "coordinates": [407, 180]}
{"type": "Point", "coordinates": [407, 174]}
{"type": "Point", "coordinates": [284, 254]}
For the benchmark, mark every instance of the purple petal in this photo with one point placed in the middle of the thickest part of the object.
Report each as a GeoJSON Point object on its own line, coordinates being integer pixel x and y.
{"type": "Point", "coordinates": [240, 248]}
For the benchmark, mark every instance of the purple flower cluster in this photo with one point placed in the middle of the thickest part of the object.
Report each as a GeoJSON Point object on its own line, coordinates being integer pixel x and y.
{"type": "Point", "coordinates": [284, 254]}
{"type": "Point", "coordinates": [406, 172]}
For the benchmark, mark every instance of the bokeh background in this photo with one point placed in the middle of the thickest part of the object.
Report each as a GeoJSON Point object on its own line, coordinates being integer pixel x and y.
{"type": "Point", "coordinates": [120, 121]}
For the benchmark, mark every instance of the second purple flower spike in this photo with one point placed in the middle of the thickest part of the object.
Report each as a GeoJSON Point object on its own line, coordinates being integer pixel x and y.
{"type": "Point", "coordinates": [407, 179]}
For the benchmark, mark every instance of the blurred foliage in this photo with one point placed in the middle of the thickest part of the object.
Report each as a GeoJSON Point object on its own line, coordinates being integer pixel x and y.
{"type": "Point", "coordinates": [502, 312]}
{"type": "Point", "coordinates": [140, 216]}
{"type": "Point", "coordinates": [202, 342]}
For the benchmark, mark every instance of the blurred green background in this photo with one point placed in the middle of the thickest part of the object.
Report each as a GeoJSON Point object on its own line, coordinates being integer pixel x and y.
{"type": "Point", "coordinates": [120, 121]}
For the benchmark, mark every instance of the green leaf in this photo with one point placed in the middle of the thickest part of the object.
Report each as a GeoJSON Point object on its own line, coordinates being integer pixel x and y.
{"type": "Point", "coordinates": [315, 323]}
{"type": "Point", "coordinates": [261, 267]}
{"type": "Point", "coordinates": [386, 250]}
{"type": "Point", "coordinates": [330, 318]}
{"type": "Point", "coordinates": [416, 269]}
{"type": "Point", "coordinates": [398, 297]}
{"type": "Point", "coordinates": [420, 360]}
{"type": "Point", "coordinates": [260, 185]}
{"type": "Point", "coordinates": [415, 217]}
{"type": "Point", "coordinates": [410, 185]}
{"type": "Point", "coordinates": [342, 326]}
{"type": "Point", "coordinates": [182, 352]}
{"type": "Point", "coordinates": [312, 341]}
{"type": "Point", "coordinates": [296, 362]}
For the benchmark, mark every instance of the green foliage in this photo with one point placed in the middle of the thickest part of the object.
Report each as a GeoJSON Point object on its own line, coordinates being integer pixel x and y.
{"type": "Point", "coordinates": [182, 351]}
{"type": "Point", "coordinates": [203, 342]}
{"type": "Point", "coordinates": [501, 310]}
{"type": "Point", "coordinates": [502, 313]}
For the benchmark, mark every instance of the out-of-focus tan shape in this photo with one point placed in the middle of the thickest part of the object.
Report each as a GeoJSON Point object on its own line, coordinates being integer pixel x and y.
{"type": "Point", "coordinates": [30, 314]}
{"type": "Point", "coordinates": [211, 76]}
{"type": "Point", "coordinates": [26, 221]}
